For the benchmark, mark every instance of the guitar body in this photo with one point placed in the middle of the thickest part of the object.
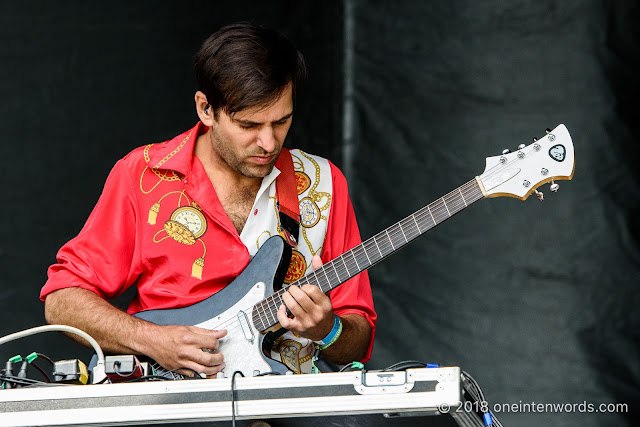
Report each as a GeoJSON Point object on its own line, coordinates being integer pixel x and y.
{"type": "Point", "coordinates": [231, 309]}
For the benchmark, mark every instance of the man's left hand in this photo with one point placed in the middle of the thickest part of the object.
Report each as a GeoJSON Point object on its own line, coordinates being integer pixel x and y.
{"type": "Point", "coordinates": [311, 310]}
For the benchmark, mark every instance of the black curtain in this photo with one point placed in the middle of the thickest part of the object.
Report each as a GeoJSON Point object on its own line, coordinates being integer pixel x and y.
{"type": "Point", "coordinates": [537, 300]}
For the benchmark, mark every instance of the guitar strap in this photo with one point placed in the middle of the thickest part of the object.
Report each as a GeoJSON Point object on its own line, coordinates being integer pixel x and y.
{"type": "Point", "coordinates": [287, 198]}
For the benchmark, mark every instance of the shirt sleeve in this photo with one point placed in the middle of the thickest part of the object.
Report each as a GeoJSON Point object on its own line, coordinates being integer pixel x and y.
{"type": "Point", "coordinates": [353, 296]}
{"type": "Point", "coordinates": [102, 258]}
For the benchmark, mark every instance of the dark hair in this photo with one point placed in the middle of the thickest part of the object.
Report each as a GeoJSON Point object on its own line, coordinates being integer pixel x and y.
{"type": "Point", "coordinates": [244, 65]}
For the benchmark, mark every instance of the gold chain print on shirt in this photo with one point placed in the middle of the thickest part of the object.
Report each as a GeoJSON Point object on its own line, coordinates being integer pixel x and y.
{"type": "Point", "coordinates": [187, 223]}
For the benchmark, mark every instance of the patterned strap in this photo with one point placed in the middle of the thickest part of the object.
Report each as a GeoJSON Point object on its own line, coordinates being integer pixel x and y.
{"type": "Point", "coordinates": [287, 198]}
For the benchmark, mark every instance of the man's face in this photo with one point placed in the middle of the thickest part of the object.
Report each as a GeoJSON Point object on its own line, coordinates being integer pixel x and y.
{"type": "Point", "coordinates": [249, 141]}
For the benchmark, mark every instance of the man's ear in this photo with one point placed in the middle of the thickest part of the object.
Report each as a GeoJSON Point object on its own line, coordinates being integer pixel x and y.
{"type": "Point", "coordinates": [204, 110]}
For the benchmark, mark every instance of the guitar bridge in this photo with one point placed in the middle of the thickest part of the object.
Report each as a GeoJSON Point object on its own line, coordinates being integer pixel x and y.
{"type": "Point", "coordinates": [246, 328]}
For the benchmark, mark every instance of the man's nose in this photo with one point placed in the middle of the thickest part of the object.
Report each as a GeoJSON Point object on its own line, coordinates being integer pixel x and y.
{"type": "Point", "coordinates": [267, 139]}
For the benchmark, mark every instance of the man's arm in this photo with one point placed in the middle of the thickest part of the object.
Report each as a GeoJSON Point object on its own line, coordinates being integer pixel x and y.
{"type": "Point", "coordinates": [353, 343]}
{"type": "Point", "coordinates": [120, 333]}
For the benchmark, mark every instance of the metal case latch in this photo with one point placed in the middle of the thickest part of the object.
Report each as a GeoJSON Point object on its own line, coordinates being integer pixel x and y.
{"type": "Point", "coordinates": [379, 382]}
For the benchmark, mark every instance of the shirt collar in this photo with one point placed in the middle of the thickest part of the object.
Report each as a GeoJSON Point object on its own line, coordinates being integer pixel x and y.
{"type": "Point", "coordinates": [177, 153]}
{"type": "Point", "coordinates": [267, 181]}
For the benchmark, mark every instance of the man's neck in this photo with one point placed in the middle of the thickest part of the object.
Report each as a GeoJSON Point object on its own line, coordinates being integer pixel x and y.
{"type": "Point", "coordinates": [235, 191]}
{"type": "Point", "coordinates": [223, 177]}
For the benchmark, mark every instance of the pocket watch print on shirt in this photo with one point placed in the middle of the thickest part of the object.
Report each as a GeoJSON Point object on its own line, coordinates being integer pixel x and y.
{"type": "Point", "coordinates": [187, 223]}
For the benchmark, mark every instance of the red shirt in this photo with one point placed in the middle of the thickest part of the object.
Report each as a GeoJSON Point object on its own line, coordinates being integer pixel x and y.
{"type": "Point", "coordinates": [124, 242]}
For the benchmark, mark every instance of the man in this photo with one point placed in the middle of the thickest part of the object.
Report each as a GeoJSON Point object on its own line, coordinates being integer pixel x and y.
{"type": "Point", "coordinates": [181, 219]}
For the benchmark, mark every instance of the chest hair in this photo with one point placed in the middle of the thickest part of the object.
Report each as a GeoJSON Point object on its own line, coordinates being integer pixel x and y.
{"type": "Point", "coordinates": [238, 207]}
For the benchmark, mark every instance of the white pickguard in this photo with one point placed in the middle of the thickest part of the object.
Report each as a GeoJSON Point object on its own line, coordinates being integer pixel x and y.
{"type": "Point", "coordinates": [241, 347]}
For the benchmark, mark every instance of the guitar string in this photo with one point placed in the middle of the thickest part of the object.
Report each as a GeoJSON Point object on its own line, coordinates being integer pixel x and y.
{"type": "Point", "coordinates": [452, 202]}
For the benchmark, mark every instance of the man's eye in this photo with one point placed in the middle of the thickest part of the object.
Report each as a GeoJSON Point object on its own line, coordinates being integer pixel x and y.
{"type": "Point", "coordinates": [247, 125]}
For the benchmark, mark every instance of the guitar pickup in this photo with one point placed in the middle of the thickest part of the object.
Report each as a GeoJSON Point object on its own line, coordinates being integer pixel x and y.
{"type": "Point", "coordinates": [246, 328]}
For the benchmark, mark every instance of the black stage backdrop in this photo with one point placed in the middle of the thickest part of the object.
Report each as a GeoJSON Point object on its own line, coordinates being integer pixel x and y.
{"type": "Point", "coordinates": [538, 301]}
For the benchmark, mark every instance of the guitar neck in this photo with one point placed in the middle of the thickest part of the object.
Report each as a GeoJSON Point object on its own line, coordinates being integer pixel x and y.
{"type": "Point", "coordinates": [374, 249]}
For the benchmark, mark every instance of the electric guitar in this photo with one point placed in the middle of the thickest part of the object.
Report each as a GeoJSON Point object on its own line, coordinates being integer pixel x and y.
{"type": "Point", "coordinates": [248, 307]}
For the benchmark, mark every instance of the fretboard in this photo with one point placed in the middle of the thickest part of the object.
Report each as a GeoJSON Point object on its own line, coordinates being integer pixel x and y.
{"type": "Point", "coordinates": [373, 250]}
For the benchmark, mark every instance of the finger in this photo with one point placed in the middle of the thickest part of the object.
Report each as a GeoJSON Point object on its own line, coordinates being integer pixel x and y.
{"type": "Point", "coordinates": [316, 262]}
{"type": "Point", "coordinates": [211, 333]}
{"type": "Point", "coordinates": [204, 338]}
{"type": "Point", "coordinates": [199, 370]}
{"type": "Point", "coordinates": [209, 358]}
{"type": "Point", "coordinates": [220, 334]}
{"type": "Point", "coordinates": [302, 300]}
{"type": "Point", "coordinates": [291, 304]}
{"type": "Point", "coordinates": [315, 293]}
{"type": "Point", "coordinates": [284, 320]}
{"type": "Point", "coordinates": [206, 363]}
{"type": "Point", "coordinates": [212, 371]}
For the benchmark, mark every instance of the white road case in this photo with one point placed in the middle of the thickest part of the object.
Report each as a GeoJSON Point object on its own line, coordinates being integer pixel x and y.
{"type": "Point", "coordinates": [341, 399]}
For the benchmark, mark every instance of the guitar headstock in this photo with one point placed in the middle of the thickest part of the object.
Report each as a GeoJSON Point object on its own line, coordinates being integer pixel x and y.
{"type": "Point", "coordinates": [520, 173]}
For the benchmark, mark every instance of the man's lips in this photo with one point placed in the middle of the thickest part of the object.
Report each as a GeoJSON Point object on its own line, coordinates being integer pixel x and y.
{"type": "Point", "coordinates": [262, 160]}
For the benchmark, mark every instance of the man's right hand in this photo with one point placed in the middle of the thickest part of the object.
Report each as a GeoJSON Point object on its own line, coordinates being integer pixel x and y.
{"type": "Point", "coordinates": [190, 347]}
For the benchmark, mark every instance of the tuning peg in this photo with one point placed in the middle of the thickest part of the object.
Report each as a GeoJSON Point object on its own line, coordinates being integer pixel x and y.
{"type": "Point", "coordinates": [506, 151]}
{"type": "Point", "coordinates": [547, 130]}
{"type": "Point", "coordinates": [535, 139]}
{"type": "Point", "coordinates": [521, 146]}
{"type": "Point", "coordinates": [539, 195]}
{"type": "Point", "coordinates": [554, 187]}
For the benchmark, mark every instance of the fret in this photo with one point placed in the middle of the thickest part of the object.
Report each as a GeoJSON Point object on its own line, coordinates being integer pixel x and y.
{"type": "Point", "coordinates": [345, 266]}
{"type": "Point", "coordinates": [439, 213]}
{"type": "Point", "coordinates": [377, 246]}
{"type": "Point", "coordinates": [277, 302]}
{"type": "Point", "coordinates": [335, 271]}
{"type": "Point", "coordinates": [389, 237]}
{"type": "Point", "coordinates": [404, 235]}
{"type": "Point", "coordinates": [358, 251]}
{"type": "Point", "coordinates": [410, 228]}
{"type": "Point", "coordinates": [416, 222]}
{"type": "Point", "coordinates": [263, 316]}
{"type": "Point", "coordinates": [270, 301]}
{"type": "Point", "coordinates": [366, 254]}
{"type": "Point", "coordinates": [255, 316]}
{"type": "Point", "coordinates": [430, 213]}
{"type": "Point", "coordinates": [310, 280]}
{"type": "Point", "coordinates": [445, 205]}
{"type": "Point", "coordinates": [326, 277]}
{"type": "Point", "coordinates": [354, 258]}
{"type": "Point", "coordinates": [460, 191]}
